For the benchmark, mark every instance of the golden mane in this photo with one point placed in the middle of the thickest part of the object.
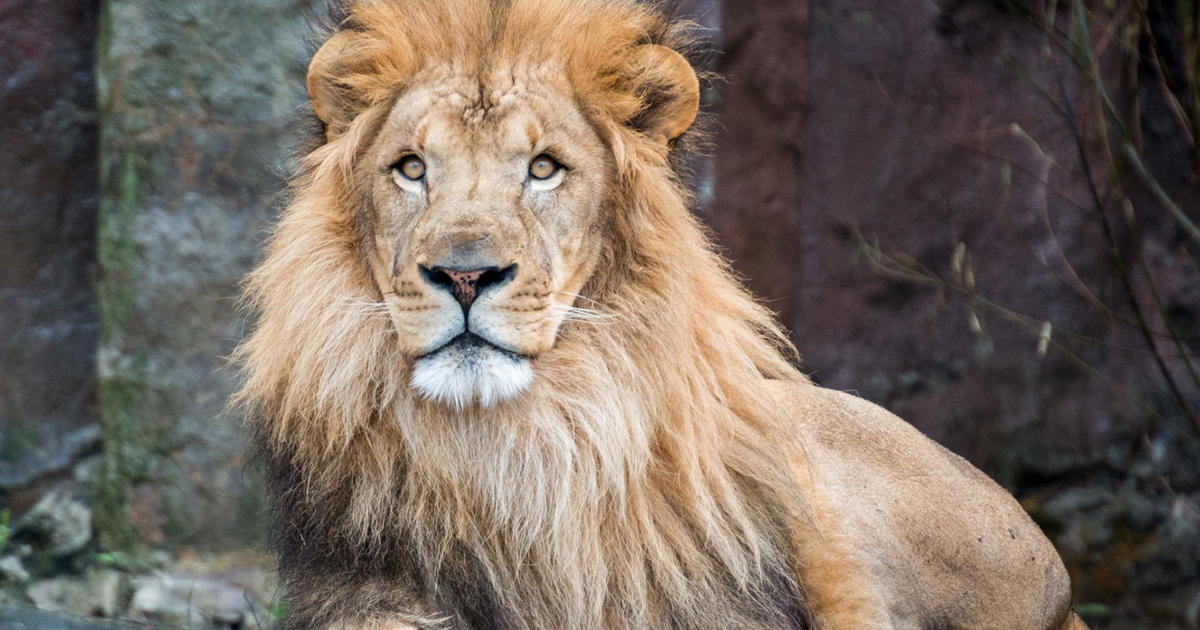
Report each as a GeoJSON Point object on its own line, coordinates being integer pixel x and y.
{"type": "Point", "coordinates": [642, 479]}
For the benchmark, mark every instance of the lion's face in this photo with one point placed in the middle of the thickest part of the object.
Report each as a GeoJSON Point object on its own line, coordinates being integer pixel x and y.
{"type": "Point", "coordinates": [487, 215]}
{"type": "Point", "coordinates": [485, 189]}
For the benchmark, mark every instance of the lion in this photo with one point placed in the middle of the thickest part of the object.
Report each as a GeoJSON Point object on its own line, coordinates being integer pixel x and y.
{"type": "Point", "coordinates": [500, 377]}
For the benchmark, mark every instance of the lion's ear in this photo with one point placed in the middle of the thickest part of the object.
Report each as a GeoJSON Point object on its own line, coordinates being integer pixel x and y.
{"type": "Point", "coordinates": [668, 86]}
{"type": "Point", "coordinates": [330, 99]}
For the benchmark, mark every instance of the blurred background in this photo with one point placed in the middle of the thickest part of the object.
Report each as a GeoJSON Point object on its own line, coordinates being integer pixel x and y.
{"type": "Point", "coordinates": [981, 214]}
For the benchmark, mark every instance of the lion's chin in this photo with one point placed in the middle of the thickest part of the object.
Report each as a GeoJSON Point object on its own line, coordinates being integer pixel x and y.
{"type": "Point", "coordinates": [470, 370]}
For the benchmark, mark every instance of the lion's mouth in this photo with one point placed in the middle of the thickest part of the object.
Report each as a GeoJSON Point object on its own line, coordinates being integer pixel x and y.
{"type": "Point", "coordinates": [470, 343]}
{"type": "Point", "coordinates": [471, 370]}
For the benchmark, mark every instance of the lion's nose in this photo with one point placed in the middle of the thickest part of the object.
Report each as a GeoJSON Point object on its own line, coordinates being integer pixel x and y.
{"type": "Point", "coordinates": [466, 285]}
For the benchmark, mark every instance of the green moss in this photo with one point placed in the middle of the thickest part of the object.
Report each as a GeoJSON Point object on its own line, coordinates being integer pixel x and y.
{"type": "Point", "coordinates": [280, 608]}
{"type": "Point", "coordinates": [117, 399]}
{"type": "Point", "coordinates": [137, 436]}
{"type": "Point", "coordinates": [117, 249]}
{"type": "Point", "coordinates": [135, 562]}
{"type": "Point", "coordinates": [121, 389]}
{"type": "Point", "coordinates": [126, 398]}
{"type": "Point", "coordinates": [5, 528]}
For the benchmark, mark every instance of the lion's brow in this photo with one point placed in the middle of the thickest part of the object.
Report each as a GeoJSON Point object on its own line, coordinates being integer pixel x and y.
{"type": "Point", "coordinates": [533, 133]}
{"type": "Point", "coordinates": [422, 134]}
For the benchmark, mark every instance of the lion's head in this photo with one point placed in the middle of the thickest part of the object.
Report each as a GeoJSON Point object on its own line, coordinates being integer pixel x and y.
{"type": "Point", "coordinates": [487, 308]}
{"type": "Point", "coordinates": [483, 192]}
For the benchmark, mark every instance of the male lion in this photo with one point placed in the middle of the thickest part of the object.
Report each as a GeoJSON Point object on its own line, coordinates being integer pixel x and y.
{"type": "Point", "coordinates": [502, 379]}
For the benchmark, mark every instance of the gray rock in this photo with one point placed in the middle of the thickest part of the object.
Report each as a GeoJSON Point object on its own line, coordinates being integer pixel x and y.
{"type": "Point", "coordinates": [87, 471]}
{"type": "Point", "coordinates": [191, 600]}
{"type": "Point", "coordinates": [48, 321]}
{"type": "Point", "coordinates": [97, 594]}
{"type": "Point", "coordinates": [1069, 503]}
{"type": "Point", "coordinates": [13, 617]}
{"type": "Point", "coordinates": [1191, 613]}
{"type": "Point", "coordinates": [1184, 519]}
{"type": "Point", "coordinates": [11, 570]}
{"type": "Point", "coordinates": [1141, 510]}
{"type": "Point", "coordinates": [27, 453]}
{"type": "Point", "coordinates": [199, 107]}
{"type": "Point", "coordinates": [59, 522]}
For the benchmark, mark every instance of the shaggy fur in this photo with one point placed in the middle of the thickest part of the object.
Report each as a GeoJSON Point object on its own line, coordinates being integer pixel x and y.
{"type": "Point", "coordinates": [640, 481]}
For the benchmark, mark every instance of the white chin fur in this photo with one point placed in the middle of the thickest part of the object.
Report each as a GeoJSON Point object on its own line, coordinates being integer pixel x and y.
{"type": "Point", "coordinates": [463, 373]}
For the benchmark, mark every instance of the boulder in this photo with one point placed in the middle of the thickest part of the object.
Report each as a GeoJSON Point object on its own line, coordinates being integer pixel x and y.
{"type": "Point", "coordinates": [193, 600]}
{"type": "Point", "coordinates": [12, 570]}
{"type": "Point", "coordinates": [95, 594]}
{"type": "Point", "coordinates": [59, 524]}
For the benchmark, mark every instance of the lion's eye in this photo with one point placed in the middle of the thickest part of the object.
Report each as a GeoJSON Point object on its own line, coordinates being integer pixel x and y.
{"type": "Point", "coordinates": [544, 167]}
{"type": "Point", "coordinates": [410, 167]}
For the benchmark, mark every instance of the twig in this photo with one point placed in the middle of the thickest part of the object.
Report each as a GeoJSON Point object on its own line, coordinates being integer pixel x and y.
{"type": "Point", "coordinates": [1153, 186]}
{"type": "Point", "coordinates": [1119, 265]}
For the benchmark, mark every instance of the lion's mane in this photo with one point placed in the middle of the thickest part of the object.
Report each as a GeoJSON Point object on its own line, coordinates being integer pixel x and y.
{"type": "Point", "coordinates": [643, 478]}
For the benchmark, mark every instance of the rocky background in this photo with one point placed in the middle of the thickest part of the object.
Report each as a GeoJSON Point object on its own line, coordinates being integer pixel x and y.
{"type": "Point", "coordinates": [979, 213]}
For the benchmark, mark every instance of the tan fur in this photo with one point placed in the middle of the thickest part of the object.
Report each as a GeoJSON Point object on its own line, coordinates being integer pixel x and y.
{"type": "Point", "coordinates": [939, 544]}
{"type": "Point", "coordinates": [653, 472]}
{"type": "Point", "coordinates": [839, 596]}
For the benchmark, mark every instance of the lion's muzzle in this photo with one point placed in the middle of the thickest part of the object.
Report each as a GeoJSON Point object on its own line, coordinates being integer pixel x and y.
{"type": "Point", "coordinates": [474, 365]}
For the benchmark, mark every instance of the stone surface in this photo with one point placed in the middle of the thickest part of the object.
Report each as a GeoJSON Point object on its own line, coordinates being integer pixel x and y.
{"type": "Point", "coordinates": [48, 319]}
{"type": "Point", "coordinates": [59, 524]}
{"type": "Point", "coordinates": [192, 600]}
{"type": "Point", "coordinates": [12, 570]}
{"type": "Point", "coordinates": [880, 123]}
{"type": "Point", "coordinates": [25, 618]}
{"type": "Point", "coordinates": [98, 593]}
{"type": "Point", "coordinates": [198, 112]}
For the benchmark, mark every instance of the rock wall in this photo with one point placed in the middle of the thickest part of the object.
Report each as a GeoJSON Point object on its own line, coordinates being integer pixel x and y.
{"type": "Point", "coordinates": [197, 107]}
{"type": "Point", "coordinates": [48, 319]}
{"type": "Point", "coordinates": [903, 183]}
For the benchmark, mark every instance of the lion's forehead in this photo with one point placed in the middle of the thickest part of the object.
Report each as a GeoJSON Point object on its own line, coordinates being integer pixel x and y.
{"type": "Point", "coordinates": [489, 93]}
{"type": "Point", "coordinates": [464, 117]}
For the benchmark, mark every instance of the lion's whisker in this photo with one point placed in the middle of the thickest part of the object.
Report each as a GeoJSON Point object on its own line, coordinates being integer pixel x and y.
{"type": "Point", "coordinates": [577, 296]}
{"type": "Point", "coordinates": [579, 314]}
{"type": "Point", "coordinates": [363, 307]}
